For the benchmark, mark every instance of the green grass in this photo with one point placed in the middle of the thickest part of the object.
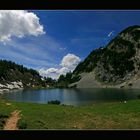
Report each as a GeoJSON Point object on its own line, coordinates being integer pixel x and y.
{"type": "Point", "coordinates": [100, 116]}
{"type": "Point", "coordinates": [4, 112]}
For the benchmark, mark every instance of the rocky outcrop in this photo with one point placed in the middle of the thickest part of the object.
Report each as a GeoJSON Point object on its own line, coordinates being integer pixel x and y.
{"type": "Point", "coordinates": [11, 86]}
{"type": "Point", "coordinates": [88, 80]}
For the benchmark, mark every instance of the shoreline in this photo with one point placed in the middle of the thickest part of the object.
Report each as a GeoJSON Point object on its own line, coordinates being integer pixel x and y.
{"type": "Point", "coordinates": [8, 87]}
{"type": "Point", "coordinates": [89, 80]}
{"type": "Point", "coordinates": [11, 86]}
{"type": "Point", "coordinates": [9, 90]}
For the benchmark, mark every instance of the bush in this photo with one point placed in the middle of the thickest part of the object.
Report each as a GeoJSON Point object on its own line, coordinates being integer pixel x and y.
{"type": "Point", "coordinates": [130, 84]}
{"type": "Point", "coordinates": [138, 96]}
{"type": "Point", "coordinates": [54, 102]}
{"type": "Point", "coordinates": [22, 124]}
{"type": "Point", "coordinates": [3, 120]}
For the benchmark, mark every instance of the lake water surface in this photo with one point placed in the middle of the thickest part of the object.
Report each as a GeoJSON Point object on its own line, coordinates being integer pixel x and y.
{"type": "Point", "coordinates": [73, 96]}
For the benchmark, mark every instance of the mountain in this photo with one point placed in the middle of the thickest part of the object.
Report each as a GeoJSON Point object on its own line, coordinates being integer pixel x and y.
{"type": "Point", "coordinates": [115, 65]}
{"type": "Point", "coordinates": [14, 76]}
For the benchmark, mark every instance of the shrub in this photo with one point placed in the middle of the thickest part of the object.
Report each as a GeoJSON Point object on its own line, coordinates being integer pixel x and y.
{"type": "Point", "coordinates": [22, 124]}
{"type": "Point", "coordinates": [122, 87]}
{"type": "Point", "coordinates": [130, 84]}
{"type": "Point", "coordinates": [138, 96]}
{"type": "Point", "coordinates": [2, 120]}
{"type": "Point", "coordinates": [54, 102]}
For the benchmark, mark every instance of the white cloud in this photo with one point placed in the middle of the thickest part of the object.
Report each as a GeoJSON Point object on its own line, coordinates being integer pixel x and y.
{"type": "Point", "coordinates": [63, 70]}
{"type": "Point", "coordinates": [47, 71]}
{"type": "Point", "coordinates": [51, 72]}
{"type": "Point", "coordinates": [68, 63]}
{"type": "Point", "coordinates": [18, 23]}
{"type": "Point", "coordinates": [110, 34]}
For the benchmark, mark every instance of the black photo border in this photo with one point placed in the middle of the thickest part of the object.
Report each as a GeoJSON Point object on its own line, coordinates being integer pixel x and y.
{"type": "Point", "coordinates": [69, 5]}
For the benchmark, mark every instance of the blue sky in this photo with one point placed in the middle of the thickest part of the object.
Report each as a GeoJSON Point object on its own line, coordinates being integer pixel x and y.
{"type": "Point", "coordinates": [59, 39]}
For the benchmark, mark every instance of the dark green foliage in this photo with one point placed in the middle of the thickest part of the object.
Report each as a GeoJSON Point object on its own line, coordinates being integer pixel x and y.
{"type": "Point", "coordinates": [80, 67]}
{"type": "Point", "coordinates": [64, 80]}
{"type": "Point", "coordinates": [90, 62]}
{"type": "Point", "coordinates": [130, 84]}
{"type": "Point", "coordinates": [129, 29]}
{"type": "Point", "coordinates": [138, 96]}
{"type": "Point", "coordinates": [33, 72]}
{"type": "Point", "coordinates": [68, 76]}
{"type": "Point", "coordinates": [119, 61]}
{"type": "Point", "coordinates": [136, 35]}
{"type": "Point", "coordinates": [61, 78]}
{"type": "Point", "coordinates": [10, 72]}
{"type": "Point", "coordinates": [71, 78]}
{"type": "Point", "coordinates": [49, 81]}
{"type": "Point", "coordinates": [22, 124]}
{"type": "Point", "coordinates": [6, 66]}
{"type": "Point", "coordinates": [115, 58]}
{"type": "Point", "coordinates": [56, 102]}
{"type": "Point", "coordinates": [3, 120]}
{"type": "Point", "coordinates": [75, 78]}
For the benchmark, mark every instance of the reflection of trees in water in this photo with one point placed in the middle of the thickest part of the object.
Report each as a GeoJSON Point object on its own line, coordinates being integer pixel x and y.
{"type": "Point", "coordinates": [104, 94]}
{"type": "Point", "coordinates": [54, 94]}
{"type": "Point", "coordinates": [73, 96]}
{"type": "Point", "coordinates": [138, 96]}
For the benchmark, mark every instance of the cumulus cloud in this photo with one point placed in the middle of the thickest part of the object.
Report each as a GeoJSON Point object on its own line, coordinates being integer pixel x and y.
{"type": "Point", "coordinates": [63, 70]}
{"type": "Point", "coordinates": [70, 61]}
{"type": "Point", "coordinates": [18, 23]}
{"type": "Point", "coordinates": [51, 72]}
{"type": "Point", "coordinates": [68, 64]}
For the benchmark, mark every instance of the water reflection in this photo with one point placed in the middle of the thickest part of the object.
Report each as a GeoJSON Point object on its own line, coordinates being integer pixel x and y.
{"type": "Point", "coordinates": [73, 96]}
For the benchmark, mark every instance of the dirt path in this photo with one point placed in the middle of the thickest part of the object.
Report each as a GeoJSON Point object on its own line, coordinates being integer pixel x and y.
{"type": "Point", "coordinates": [11, 123]}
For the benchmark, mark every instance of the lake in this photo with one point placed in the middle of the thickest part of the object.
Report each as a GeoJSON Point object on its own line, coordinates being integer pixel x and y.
{"type": "Point", "coordinates": [74, 97]}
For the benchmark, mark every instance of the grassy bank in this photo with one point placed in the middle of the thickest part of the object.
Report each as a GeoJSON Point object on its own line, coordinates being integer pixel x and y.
{"type": "Point", "coordinates": [99, 116]}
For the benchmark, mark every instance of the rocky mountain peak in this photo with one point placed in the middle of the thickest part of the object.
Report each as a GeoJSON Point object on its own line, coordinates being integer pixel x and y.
{"type": "Point", "coordinates": [117, 62]}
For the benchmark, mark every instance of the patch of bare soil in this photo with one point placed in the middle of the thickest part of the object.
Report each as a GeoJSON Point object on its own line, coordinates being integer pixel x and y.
{"type": "Point", "coordinates": [11, 123]}
{"type": "Point", "coordinates": [8, 104]}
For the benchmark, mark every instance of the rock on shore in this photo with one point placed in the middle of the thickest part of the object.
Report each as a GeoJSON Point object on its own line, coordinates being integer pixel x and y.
{"type": "Point", "coordinates": [10, 86]}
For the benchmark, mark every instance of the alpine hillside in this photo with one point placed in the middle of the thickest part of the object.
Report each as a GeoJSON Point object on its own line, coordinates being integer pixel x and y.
{"type": "Point", "coordinates": [14, 76]}
{"type": "Point", "coordinates": [115, 65]}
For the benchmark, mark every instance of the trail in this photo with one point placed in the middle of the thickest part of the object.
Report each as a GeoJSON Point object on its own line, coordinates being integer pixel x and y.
{"type": "Point", "coordinates": [11, 123]}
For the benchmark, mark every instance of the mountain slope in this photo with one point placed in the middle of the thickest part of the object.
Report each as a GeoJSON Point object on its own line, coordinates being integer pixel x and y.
{"type": "Point", "coordinates": [16, 76]}
{"type": "Point", "coordinates": [112, 65]}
